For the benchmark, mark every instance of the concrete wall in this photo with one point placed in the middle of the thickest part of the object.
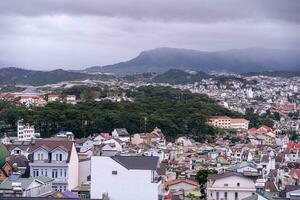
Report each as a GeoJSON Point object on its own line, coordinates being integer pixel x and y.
{"type": "Point", "coordinates": [73, 172]}
{"type": "Point", "coordinates": [84, 171]}
{"type": "Point", "coordinates": [125, 185]}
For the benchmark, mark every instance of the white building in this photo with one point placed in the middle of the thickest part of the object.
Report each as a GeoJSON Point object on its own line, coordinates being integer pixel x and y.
{"type": "Point", "coordinates": [229, 186]}
{"type": "Point", "coordinates": [229, 123]}
{"type": "Point", "coordinates": [125, 177]}
{"type": "Point", "coordinates": [55, 158]}
{"type": "Point", "coordinates": [26, 131]}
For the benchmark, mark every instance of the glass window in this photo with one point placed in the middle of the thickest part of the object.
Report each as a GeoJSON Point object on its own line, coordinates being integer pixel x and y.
{"type": "Point", "coordinates": [54, 173]}
{"type": "Point", "coordinates": [59, 157]}
{"type": "Point", "coordinates": [236, 195]}
{"type": "Point", "coordinates": [35, 172]}
{"type": "Point", "coordinates": [40, 156]}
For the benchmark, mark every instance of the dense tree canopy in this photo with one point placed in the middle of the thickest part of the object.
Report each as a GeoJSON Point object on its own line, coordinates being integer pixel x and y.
{"type": "Point", "coordinates": [175, 111]}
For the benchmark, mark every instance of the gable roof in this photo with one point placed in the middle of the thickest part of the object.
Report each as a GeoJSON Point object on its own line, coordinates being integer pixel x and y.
{"type": "Point", "coordinates": [50, 144]}
{"type": "Point", "coordinates": [178, 181]}
{"type": "Point", "coordinates": [137, 162]}
{"type": "Point", "coordinates": [22, 145]}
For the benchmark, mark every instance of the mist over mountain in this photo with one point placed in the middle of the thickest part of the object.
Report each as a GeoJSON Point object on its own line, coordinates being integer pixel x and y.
{"type": "Point", "coordinates": [237, 60]}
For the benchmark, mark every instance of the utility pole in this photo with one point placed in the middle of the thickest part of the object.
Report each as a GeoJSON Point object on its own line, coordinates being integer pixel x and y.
{"type": "Point", "coordinates": [145, 118]}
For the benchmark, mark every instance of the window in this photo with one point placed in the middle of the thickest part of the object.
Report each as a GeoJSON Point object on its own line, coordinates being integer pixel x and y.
{"type": "Point", "coordinates": [59, 157]}
{"type": "Point", "coordinates": [42, 172]}
{"type": "Point", "coordinates": [40, 156]}
{"type": "Point", "coordinates": [225, 185]}
{"type": "Point", "coordinates": [238, 184]}
{"type": "Point", "coordinates": [65, 172]}
{"type": "Point", "coordinates": [236, 195]}
{"type": "Point", "coordinates": [46, 172]}
{"type": "Point", "coordinates": [17, 152]}
{"type": "Point", "coordinates": [225, 195]}
{"type": "Point", "coordinates": [217, 195]}
{"type": "Point", "coordinates": [114, 172]}
{"type": "Point", "coordinates": [35, 172]}
{"type": "Point", "coordinates": [54, 173]}
{"type": "Point", "coordinates": [61, 172]}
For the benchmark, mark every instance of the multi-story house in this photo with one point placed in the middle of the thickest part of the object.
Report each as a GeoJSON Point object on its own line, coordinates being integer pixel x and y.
{"type": "Point", "coordinates": [156, 136]}
{"type": "Point", "coordinates": [229, 123]}
{"type": "Point", "coordinates": [71, 99]}
{"type": "Point", "coordinates": [123, 177]}
{"type": "Point", "coordinates": [236, 155]}
{"type": "Point", "coordinates": [221, 122]}
{"type": "Point", "coordinates": [229, 186]}
{"type": "Point", "coordinates": [53, 97]}
{"type": "Point", "coordinates": [55, 158]}
{"type": "Point", "coordinates": [29, 100]}
{"type": "Point", "coordinates": [291, 155]}
{"type": "Point", "coordinates": [239, 123]}
{"type": "Point", "coordinates": [26, 131]}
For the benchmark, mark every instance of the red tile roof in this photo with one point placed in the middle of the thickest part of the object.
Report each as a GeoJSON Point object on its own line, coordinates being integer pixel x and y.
{"type": "Point", "coordinates": [177, 181]}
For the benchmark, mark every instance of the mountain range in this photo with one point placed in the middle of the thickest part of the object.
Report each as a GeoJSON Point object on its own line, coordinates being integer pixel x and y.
{"type": "Point", "coordinates": [237, 60]}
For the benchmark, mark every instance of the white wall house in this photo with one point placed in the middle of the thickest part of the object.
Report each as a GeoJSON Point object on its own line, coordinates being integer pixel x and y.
{"type": "Point", "coordinates": [55, 158]}
{"type": "Point", "coordinates": [25, 131]}
{"type": "Point", "coordinates": [125, 177]}
{"type": "Point", "coordinates": [229, 186]}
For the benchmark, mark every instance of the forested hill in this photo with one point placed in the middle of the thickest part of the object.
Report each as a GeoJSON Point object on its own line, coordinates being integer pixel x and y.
{"type": "Point", "coordinates": [22, 76]}
{"type": "Point", "coordinates": [175, 111]}
{"type": "Point", "coordinates": [176, 76]}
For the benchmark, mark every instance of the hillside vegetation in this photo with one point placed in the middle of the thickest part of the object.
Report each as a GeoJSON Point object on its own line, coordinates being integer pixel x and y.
{"type": "Point", "coordinates": [176, 112]}
{"type": "Point", "coordinates": [36, 78]}
{"type": "Point", "coordinates": [175, 76]}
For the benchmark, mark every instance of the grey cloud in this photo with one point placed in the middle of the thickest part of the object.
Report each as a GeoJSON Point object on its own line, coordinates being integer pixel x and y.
{"type": "Point", "coordinates": [44, 34]}
{"type": "Point", "coordinates": [167, 10]}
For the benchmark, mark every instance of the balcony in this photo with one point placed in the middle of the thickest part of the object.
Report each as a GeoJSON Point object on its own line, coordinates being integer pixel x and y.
{"type": "Point", "coordinates": [48, 164]}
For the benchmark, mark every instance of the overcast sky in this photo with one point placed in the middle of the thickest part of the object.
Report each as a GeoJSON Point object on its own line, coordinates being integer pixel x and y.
{"type": "Point", "coordinates": [74, 34]}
